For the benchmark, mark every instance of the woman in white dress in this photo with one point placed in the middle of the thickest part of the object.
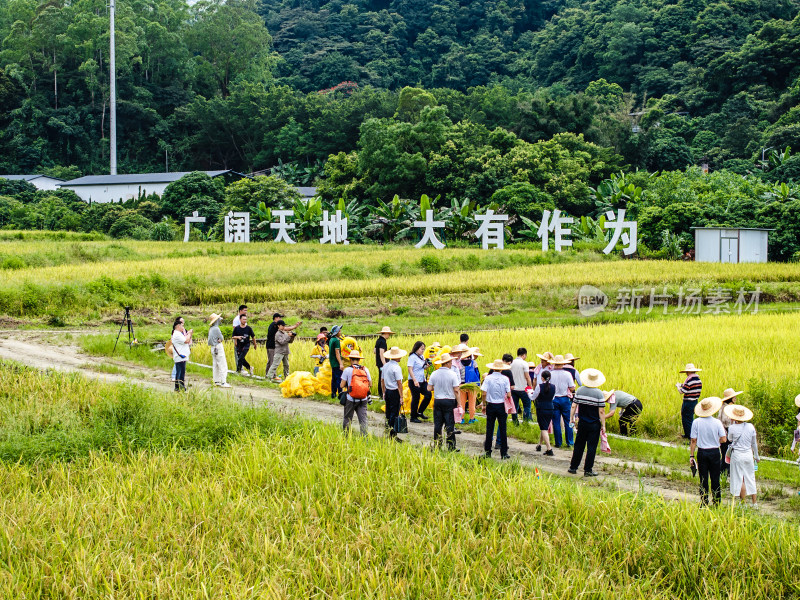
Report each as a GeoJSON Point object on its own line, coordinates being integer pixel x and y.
{"type": "Point", "coordinates": [744, 452]}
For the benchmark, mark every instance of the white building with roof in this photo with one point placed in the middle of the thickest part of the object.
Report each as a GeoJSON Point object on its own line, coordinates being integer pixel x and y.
{"type": "Point", "coordinates": [41, 182]}
{"type": "Point", "coordinates": [731, 244]}
{"type": "Point", "coordinates": [113, 188]}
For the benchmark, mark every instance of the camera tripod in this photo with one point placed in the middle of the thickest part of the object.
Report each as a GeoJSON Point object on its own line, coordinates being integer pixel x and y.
{"type": "Point", "coordinates": [126, 320]}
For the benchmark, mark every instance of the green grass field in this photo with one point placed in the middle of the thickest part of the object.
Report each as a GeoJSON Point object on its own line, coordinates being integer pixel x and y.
{"type": "Point", "coordinates": [286, 509]}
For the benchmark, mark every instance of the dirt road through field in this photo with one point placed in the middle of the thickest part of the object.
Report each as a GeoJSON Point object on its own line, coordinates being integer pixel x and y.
{"type": "Point", "coordinates": [35, 351]}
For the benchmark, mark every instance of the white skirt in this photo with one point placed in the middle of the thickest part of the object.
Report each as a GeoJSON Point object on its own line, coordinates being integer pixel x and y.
{"type": "Point", "coordinates": [742, 471]}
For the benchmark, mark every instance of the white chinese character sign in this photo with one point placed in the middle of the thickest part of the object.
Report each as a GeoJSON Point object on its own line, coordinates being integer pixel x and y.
{"type": "Point", "coordinates": [237, 227]}
{"type": "Point", "coordinates": [282, 226]}
{"type": "Point", "coordinates": [618, 224]}
{"type": "Point", "coordinates": [492, 230]}
{"type": "Point", "coordinates": [555, 225]}
{"type": "Point", "coordinates": [429, 236]}
{"type": "Point", "coordinates": [187, 224]}
{"type": "Point", "coordinates": [334, 229]}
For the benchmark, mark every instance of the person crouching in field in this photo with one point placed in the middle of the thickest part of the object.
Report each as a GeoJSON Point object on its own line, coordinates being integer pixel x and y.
{"type": "Point", "coordinates": [356, 382]}
{"type": "Point", "coordinates": [219, 363]}
{"type": "Point", "coordinates": [445, 384]}
{"type": "Point", "coordinates": [630, 409]}
{"type": "Point", "coordinates": [181, 342]}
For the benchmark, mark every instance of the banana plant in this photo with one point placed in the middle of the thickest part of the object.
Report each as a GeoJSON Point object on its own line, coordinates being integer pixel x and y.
{"type": "Point", "coordinates": [389, 219]}
{"type": "Point", "coordinates": [307, 215]}
{"type": "Point", "coordinates": [781, 193]}
{"type": "Point", "coordinates": [262, 216]}
{"type": "Point", "coordinates": [591, 230]}
{"type": "Point", "coordinates": [356, 213]}
{"type": "Point", "coordinates": [614, 193]}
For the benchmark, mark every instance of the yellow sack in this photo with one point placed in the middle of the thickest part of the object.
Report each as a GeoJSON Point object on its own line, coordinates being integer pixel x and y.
{"type": "Point", "coordinates": [300, 384]}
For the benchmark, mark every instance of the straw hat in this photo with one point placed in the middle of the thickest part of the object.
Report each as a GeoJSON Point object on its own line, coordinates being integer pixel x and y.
{"type": "Point", "coordinates": [394, 353]}
{"type": "Point", "coordinates": [435, 345]}
{"type": "Point", "coordinates": [569, 357]}
{"type": "Point", "coordinates": [729, 394]}
{"type": "Point", "coordinates": [386, 329]}
{"type": "Point", "coordinates": [608, 395]}
{"type": "Point", "coordinates": [460, 348]}
{"type": "Point", "coordinates": [213, 318]}
{"type": "Point", "coordinates": [797, 401]}
{"type": "Point", "coordinates": [444, 358]}
{"type": "Point", "coordinates": [708, 406]}
{"type": "Point", "coordinates": [548, 356]}
{"type": "Point", "coordinates": [737, 412]}
{"type": "Point", "coordinates": [497, 365]}
{"type": "Point", "coordinates": [690, 368]}
{"type": "Point", "coordinates": [355, 354]}
{"type": "Point", "coordinates": [592, 378]}
{"type": "Point", "coordinates": [559, 360]}
{"type": "Point", "coordinates": [473, 352]}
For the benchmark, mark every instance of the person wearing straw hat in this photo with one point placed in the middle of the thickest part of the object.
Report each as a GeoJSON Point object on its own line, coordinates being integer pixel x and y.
{"type": "Point", "coordinates": [544, 364]}
{"type": "Point", "coordinates": [570, 367]}
{"type": "Point", "coordinates": [630, 409]}
{"type": "Point", "coordinates": [743, 453]}
{"type": "Point", "coordinates": [468, 392]}
{"type": "Point", "coordinates": [690, 390]}
{"type": "Point", "coordinates": [591, 422]}
{"type": "Point", "coordinates": [392, 376]}
{"type": "Point", "coordinates": [381, 346]}
{"type": "Point", "coordinates": [728, 397]}
{"type": "Point", "coordinates": [460, 372]}
{"type": "Point", "coordinates": [707, 434]}
{"type": "Point", "coordinates": [564, 386]}
{"type": "Point", "coordinates": [445, 384]}
{"type": "Point", "coordinates": [497, 390]}
{"type": "Point", "coordinates": [219, 364]}
{"type": "Point", "coordinates": [355, 405]}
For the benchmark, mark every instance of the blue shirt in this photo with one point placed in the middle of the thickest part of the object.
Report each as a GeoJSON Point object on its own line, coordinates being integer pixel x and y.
{"type": "Point", "coordinates": [416, 365]}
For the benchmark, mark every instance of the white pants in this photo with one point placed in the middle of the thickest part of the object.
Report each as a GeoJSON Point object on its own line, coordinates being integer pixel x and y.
{"type": "Point", "coordinates": [219, 364]}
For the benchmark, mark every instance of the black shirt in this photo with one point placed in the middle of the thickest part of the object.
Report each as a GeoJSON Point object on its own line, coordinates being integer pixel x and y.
{"type": "Point", "coordinates": [381, 343]}
{"type": "Point", "coordinates": [510, 376]}
{"type": "Point", "coordinates": [271, 331]}
{"type": "Point", "coordinates": [589, 414]}
{"type": "Point", "coordinates": [248, 335]}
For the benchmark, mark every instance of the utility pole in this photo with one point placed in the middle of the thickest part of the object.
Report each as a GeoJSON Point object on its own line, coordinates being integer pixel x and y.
{"type": "Point", "coordinates": [113, 93]}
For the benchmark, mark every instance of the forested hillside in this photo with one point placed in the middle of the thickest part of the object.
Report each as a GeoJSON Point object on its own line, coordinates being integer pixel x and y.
{"type": "Point", "coordinates": [246, 84]}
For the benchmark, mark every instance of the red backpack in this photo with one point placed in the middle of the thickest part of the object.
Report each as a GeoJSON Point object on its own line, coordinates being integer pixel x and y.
{"type": "Point", "coordinates": [359, 383]}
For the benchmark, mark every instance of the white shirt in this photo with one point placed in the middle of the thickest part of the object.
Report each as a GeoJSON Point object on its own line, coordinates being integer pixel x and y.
{"type": "Point", "coordinates": [519, 368]}
{"type": "Point", "coordinates": [707, 431]}
{"type": "Point", "coordinates": [179, 347]}
{"type": "Point", "coordinates": [347, 376]}
{"type": "Point", "coordinates": [443, 381]}
{"type": "Point", "coordinates": [742, 437]}
{"type": "Point", "coordinates": [237, 321]}
{"type": "Point", "coordinates": [561, 380]}
{"type": "Point", "coordinates": [392, 374]}
{"type": "Point", "coordinates": [496, 386]}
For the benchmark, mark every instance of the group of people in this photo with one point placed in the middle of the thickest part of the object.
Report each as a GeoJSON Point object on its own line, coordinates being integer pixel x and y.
{"type": "Point", "coordinates": [566, 402]}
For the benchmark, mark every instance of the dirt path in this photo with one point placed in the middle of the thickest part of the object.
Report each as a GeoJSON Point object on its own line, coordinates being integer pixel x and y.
{"type": "Point", "coordinates": [615, 473]}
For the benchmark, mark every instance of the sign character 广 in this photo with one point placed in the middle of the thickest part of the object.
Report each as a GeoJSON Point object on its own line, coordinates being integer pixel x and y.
{"type": "Point", "coordinates": [187, 224]}
{"type": "Point", "coordinates": [555, 225]}
{"type": "Point", "coordinates": [334, 229]}
{"type": "Point", "coordinates": [618, 223]}
{"type": "Point", "coordinates": [237, 227]}
{"type": "Point", "coordinates": [282, 226]}
{"type": "Point", "coordinates": [429, 235]}
{"type": "Point", "coordinates": [492, 229]}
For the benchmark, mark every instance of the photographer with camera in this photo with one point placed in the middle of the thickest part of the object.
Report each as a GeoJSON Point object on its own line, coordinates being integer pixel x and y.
{"type": "Point", "coordinates": [283, 338]}
{"type": "Point", "coordinates": [242, 335]}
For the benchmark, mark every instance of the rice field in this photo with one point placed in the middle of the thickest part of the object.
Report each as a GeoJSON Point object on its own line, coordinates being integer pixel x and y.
{"type": "Point", "coordinates": [640, 358]}
{"type": "Point", "coordinates": [288, 509]}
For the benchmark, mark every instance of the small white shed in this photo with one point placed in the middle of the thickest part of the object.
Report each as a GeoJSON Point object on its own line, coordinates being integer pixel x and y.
{"type": "Point", "coordinates": [730, 245]}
